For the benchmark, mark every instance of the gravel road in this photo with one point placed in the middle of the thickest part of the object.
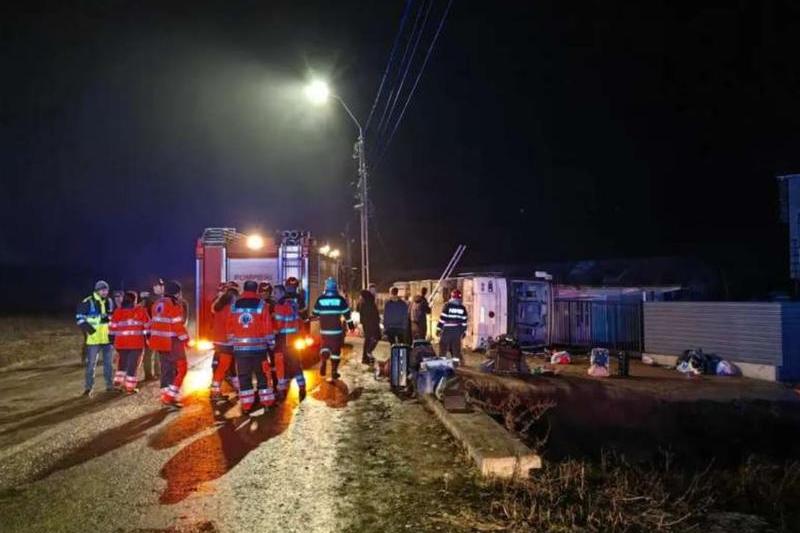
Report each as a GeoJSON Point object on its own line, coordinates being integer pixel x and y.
{"type": "Point", "coordinates": [351, 457]}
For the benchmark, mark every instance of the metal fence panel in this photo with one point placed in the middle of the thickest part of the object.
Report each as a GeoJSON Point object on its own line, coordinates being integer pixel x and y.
{"type": "Point", "coordinates": [748, 332]}
{"type": "Point", "coordinates": [588, 324]}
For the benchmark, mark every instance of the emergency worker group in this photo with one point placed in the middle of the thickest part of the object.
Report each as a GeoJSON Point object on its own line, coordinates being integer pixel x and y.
{"type": "Point", "coordinates": [255, 327]}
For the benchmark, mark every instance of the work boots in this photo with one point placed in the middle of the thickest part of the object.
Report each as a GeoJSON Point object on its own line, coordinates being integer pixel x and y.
{"type": "Point", "coordinates": [323, 367]}
{"type": "Point", "coordinates": [335, 370]}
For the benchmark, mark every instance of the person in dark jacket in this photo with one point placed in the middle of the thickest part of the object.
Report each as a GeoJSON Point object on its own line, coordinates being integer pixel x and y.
{"type": "Point", "coordinates": [395, 319]}
{"type": "Point", "coordinates": [331, 308]}
{"type": "Point", "coordinates": [420, 309]}
{"type": "Point", "coordinates": [452, 326]}
{"type": "Point", "coordinates": [150, 361]}
{"type": "Point", "coordinates": [370, 323]}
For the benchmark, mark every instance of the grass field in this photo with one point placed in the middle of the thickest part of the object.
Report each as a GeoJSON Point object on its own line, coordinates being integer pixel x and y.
{"type": "Point", "coordinates": [36, 339]}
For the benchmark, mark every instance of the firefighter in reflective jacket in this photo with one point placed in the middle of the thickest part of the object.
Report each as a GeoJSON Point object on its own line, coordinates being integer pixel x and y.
{"type": "Point", "coordinates": [129, 326]}
{"type": "Point", "coordinates": [452, 326]}
{"type": "Point", "coordinates": [331, 307]}
{"type": "Point", "coordinates": [169, 338]}
{"type": "Point", "coordinates": [222, 363]}
{"type": "Point", "coordinates": [286, 317]}
{"type": "Point", "coordinates": [92, 316]}
{"type": "Point", "coordinates": [294, 291]}
{"type": "Point", "coordinates": [249, 330]}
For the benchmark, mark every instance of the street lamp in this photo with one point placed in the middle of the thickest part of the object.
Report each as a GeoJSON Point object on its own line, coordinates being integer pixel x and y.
{"type": "Point", "coordinates": [255, 242]}
{"type": "Point", "coordinates": [318, 93]}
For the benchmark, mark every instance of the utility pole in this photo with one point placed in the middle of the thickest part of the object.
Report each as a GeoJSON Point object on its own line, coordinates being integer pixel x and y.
{"type": "Point", "coordinates": [363, 196]}
{"type": "Point", "coordinates": [318, 92]}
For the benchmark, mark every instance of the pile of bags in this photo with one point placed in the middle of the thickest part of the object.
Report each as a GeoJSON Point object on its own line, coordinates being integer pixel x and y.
{"type": "Point", "coordinates": [415, 369]}
{"type": "Point", "coordinates": [695, 362]}
{"type": "Point", "coordinates": [505, 356]}
{"type": "Point", "coordinates": [560, 358]}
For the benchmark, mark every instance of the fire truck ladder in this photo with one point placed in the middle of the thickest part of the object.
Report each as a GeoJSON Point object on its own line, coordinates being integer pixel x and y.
{"type": "Point", "coordinates": [291, 260]}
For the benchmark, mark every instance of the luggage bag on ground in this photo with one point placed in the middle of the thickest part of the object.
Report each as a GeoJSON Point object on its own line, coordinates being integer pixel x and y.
{"type": "Point", "coordinates": [432, 371]}
{"type": "Point", "coordinates": [398, 366]}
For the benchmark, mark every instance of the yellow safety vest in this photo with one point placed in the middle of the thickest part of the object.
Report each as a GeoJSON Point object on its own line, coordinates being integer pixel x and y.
{"type": "Point", "coordinates": [96, 315]}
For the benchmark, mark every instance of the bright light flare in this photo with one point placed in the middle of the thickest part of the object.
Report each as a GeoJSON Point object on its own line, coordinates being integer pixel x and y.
{"type": "Point", "coordinates": [317, 92]}
{"type": "Point", "coordinates": [309, 341]}
{"type": "Point", "coordinates": [334, 254]}
{"type": "Point", "coordinates": [204, 345]}
{"type": "Point", "coordinates": [299, 344]}
{"type": "Point", "coordinates": [255, 242]}
{"type": "Point", "coordinates": [325, 250]}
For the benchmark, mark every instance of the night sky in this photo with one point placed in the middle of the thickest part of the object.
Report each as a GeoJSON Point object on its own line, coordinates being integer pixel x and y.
{"type": "Point", "coordinates": [540, 131]}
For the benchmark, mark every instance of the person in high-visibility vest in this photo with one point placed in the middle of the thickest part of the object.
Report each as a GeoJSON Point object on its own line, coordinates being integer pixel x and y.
{"type": "Point", "coordinates": [331, 308]}
{"type": "Point", "coordinates": [288, 327]}
{"type": "Point", "coordinates": [92, 316]}
{"type": "Point", "coordinates": [130, 325]}
{"type": "Point", "coordinates": [452, 326]}
{"type": "Point", "coordinates": [169, 338]}
{"type": "Point", "coordinates": [222, 362]}
{"type": "Point", "coordinates": [250, 333]}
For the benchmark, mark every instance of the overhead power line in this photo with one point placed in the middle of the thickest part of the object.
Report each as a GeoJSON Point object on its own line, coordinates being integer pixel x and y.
{"type": "Point", "coordinates": [385, 146]}
{"type": "Point", "coordinates": [405, 70]}
{"type": "Point", "coordinates": [389, 63]}
{"type": "Point", "coordinates": [416, 29]}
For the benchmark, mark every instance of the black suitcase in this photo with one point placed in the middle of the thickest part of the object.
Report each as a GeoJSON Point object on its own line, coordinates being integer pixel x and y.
{"type": "Point", "coordinates": [398, 366]}
{"type": "Point", "coordinates": [420, 350]}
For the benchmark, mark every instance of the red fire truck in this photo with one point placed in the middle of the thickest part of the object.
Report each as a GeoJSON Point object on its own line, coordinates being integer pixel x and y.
{"type": "Point", "coordinates": [224, 254]}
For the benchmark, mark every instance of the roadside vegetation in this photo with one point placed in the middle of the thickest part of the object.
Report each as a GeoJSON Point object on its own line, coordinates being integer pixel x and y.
{"type": "Point", "coordinates": [38, 339]}
{"type": "Point", "coordinates": [614, 495]}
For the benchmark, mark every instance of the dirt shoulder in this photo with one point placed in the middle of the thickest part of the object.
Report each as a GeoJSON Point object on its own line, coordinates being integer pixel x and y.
{"type": "Point", "coordinates": [27, 340]}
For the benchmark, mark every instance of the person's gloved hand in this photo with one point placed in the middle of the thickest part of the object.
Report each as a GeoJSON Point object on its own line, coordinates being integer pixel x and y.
{"type": "Point", "coordinates": [105, 319]}
{"type": "Point", "coordinates": [87, 328]}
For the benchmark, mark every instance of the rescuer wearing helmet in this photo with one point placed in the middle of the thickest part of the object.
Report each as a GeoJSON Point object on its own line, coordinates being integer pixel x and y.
{"type": "Point", "coordinates": [265, 291]}
{"type": "Point", "coordinates": [288, 328]}
{"type": "Point", "coordinates": [331, 307]}
{"type": "Point", "coordinates": [92, 316]}
{"type": "Point", "coordinates": [452, 326]}
{"type": "Point", "coordinates": [294, 292]}
{"type": "Point", "coordinates": [250, 332]}
{"type": "Point", "coordinates": [129, 325]}
{"type": "Point", "coordinates": [222, 362]}
{"type": "Point", "coordinates": [169, 338]}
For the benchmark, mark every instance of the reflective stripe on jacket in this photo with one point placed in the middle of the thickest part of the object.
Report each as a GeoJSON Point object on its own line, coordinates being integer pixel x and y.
{"type": "Point", "coordinates": [94, 312]}
{"type": "Point", "coordinates": [331, 308]}
{"type": "Point", "coordinates": [285, 317]}
{"type": "Point", "coordinates": [167, 322]}
{"type": "Point", "coordinates": [129, 326]}
{"type": "Point", "coordinates": [249, 326]}
{"type": "Point", "coordinates": [453, 317]}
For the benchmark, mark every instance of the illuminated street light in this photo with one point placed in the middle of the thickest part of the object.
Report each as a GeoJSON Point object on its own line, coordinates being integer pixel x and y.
{"type": "Point", "coordinates": [334, 254]}
{"type": "Point", "coordinates": [255, 242]}
{"type": "Point", "coordinates": [317, 92]}
{"type": "Point", "coordinates": [325, 250]}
